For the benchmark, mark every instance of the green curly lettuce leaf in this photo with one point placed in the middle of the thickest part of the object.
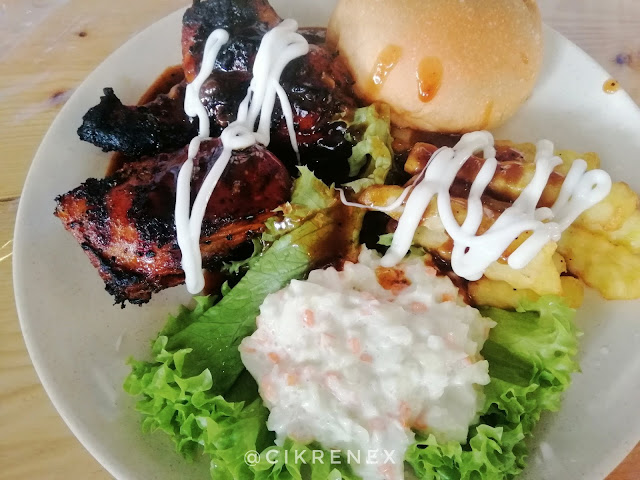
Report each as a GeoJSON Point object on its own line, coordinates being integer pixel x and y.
{"type": "Point", "coordinates": [310, 195]}
{"type": "Point", "coordinates": [531, 355]}
{"type": "Point", "coordinates": [293, 460]}
{"type": "Point", "coordinates": [311, 192]}
{"type": "Point", "coordinates": [491, 453]}
{"type": "Point", "coordinates": [372, 155]}
{"type": "Point", "coordinates": [196, 420]}
{"type": "Point", "coordinates": [223, 428]}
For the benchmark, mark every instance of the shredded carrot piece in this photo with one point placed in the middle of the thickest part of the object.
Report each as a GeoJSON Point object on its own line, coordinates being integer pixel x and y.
{"type": "Point", "coordinates": [274, 357]}
{"type": "Point", "coordinates": [447, 297]}
{"type": "Point", "coordinates": [419, 307]}
{"type": "Point", "coordinates": [309, 318]}
{"type": "Point", "coordinates": [365, 357]}
{"type": "Point", "coordinates": [354, 345]}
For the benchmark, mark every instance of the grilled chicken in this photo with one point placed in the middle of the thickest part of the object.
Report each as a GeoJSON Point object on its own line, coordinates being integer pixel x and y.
{"type": "Point", "coordinates": [246, 21]}
{"type": "Point", "coordinates": [318, 85]}
{"type": "Point", "coordinates": [125, 222]}
{"type": "Point", "coordinates": [159, 126]}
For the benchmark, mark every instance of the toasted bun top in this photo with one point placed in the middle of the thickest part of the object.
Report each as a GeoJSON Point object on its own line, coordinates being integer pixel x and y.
{"type": "Point", "coordinates": [442, 65]}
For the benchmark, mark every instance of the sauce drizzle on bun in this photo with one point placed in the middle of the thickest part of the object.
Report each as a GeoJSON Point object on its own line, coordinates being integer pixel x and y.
{"type": "Point", "coordinates": [449, 66]}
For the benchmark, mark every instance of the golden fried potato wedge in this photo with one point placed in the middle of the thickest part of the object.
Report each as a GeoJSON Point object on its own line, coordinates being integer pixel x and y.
{"type": "Point", "coordinates": [433, 240]}
{"type": "Point", "coordinates": [611, 269]}
{"type": "Point", "coordinates": [540, 275]}
{"type": "Point", "coordinates": [572, 291]}
{"type": "Point", "coordinates": [569, 156]}
{"type": "Point", "coordinates": [498, 293]}
{"type": "Point", "coordinates": [560, 262]}
{"type": "Point", "coordinates": [611, 213]}
{"type": "Point", "coordinates": [628, 235]}
{"type": "Point", "coordinates": [382, 196]}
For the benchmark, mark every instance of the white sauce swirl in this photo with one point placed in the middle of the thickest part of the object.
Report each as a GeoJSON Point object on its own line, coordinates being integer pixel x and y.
{"type": "Point", "coordinates": [278, 48]}
{"type": "Point", "coordinates": [472, 253]}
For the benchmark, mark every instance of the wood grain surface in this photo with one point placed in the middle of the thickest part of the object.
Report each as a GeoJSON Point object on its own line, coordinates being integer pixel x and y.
{"type": "Point", "coordinates": [47, 47]}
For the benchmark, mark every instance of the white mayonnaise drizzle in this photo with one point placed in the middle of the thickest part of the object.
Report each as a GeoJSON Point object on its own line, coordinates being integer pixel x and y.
{"type": "Point", "coordinates": [278, 48]}
{"type": "Point", "coordinates": [472, 253]}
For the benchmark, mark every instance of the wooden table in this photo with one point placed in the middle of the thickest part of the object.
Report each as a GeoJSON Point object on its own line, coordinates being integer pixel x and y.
{"type": "Point", "coordinates": [47, 47]}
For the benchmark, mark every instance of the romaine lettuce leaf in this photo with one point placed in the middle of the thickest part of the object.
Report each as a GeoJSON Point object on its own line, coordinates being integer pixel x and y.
{"type": "Point", "coordinates": [372, 155]}
{"type": "Point", "coordinates": [214, 336]}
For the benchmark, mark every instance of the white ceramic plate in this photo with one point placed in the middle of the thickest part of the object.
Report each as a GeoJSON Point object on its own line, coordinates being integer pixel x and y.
{"type": "Point", "coordinates": [79, 341]}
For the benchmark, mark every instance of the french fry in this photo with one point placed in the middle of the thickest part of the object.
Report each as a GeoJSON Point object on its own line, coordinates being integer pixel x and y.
{"type": "Point", "coordinates": [382, 196]}
{"type": "Point", "coordinates": [512, 175]}
{"type": "Point", "coordinates": [528, 151]}
{"type": "Point", "coordinates": [602, 248]}
{"type": "Point", "coordinates": [608, 215]}
{"type": "Point", "coordinates": [541, 275]}
{"type": "Point", "coordinates": [611, 269]}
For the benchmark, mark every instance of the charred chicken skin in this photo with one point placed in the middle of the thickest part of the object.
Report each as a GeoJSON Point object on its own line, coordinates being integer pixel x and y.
{"type": "Point", "coordinates": [125, 222]}
{"type": "Point", "coordinates": [159, 126]}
